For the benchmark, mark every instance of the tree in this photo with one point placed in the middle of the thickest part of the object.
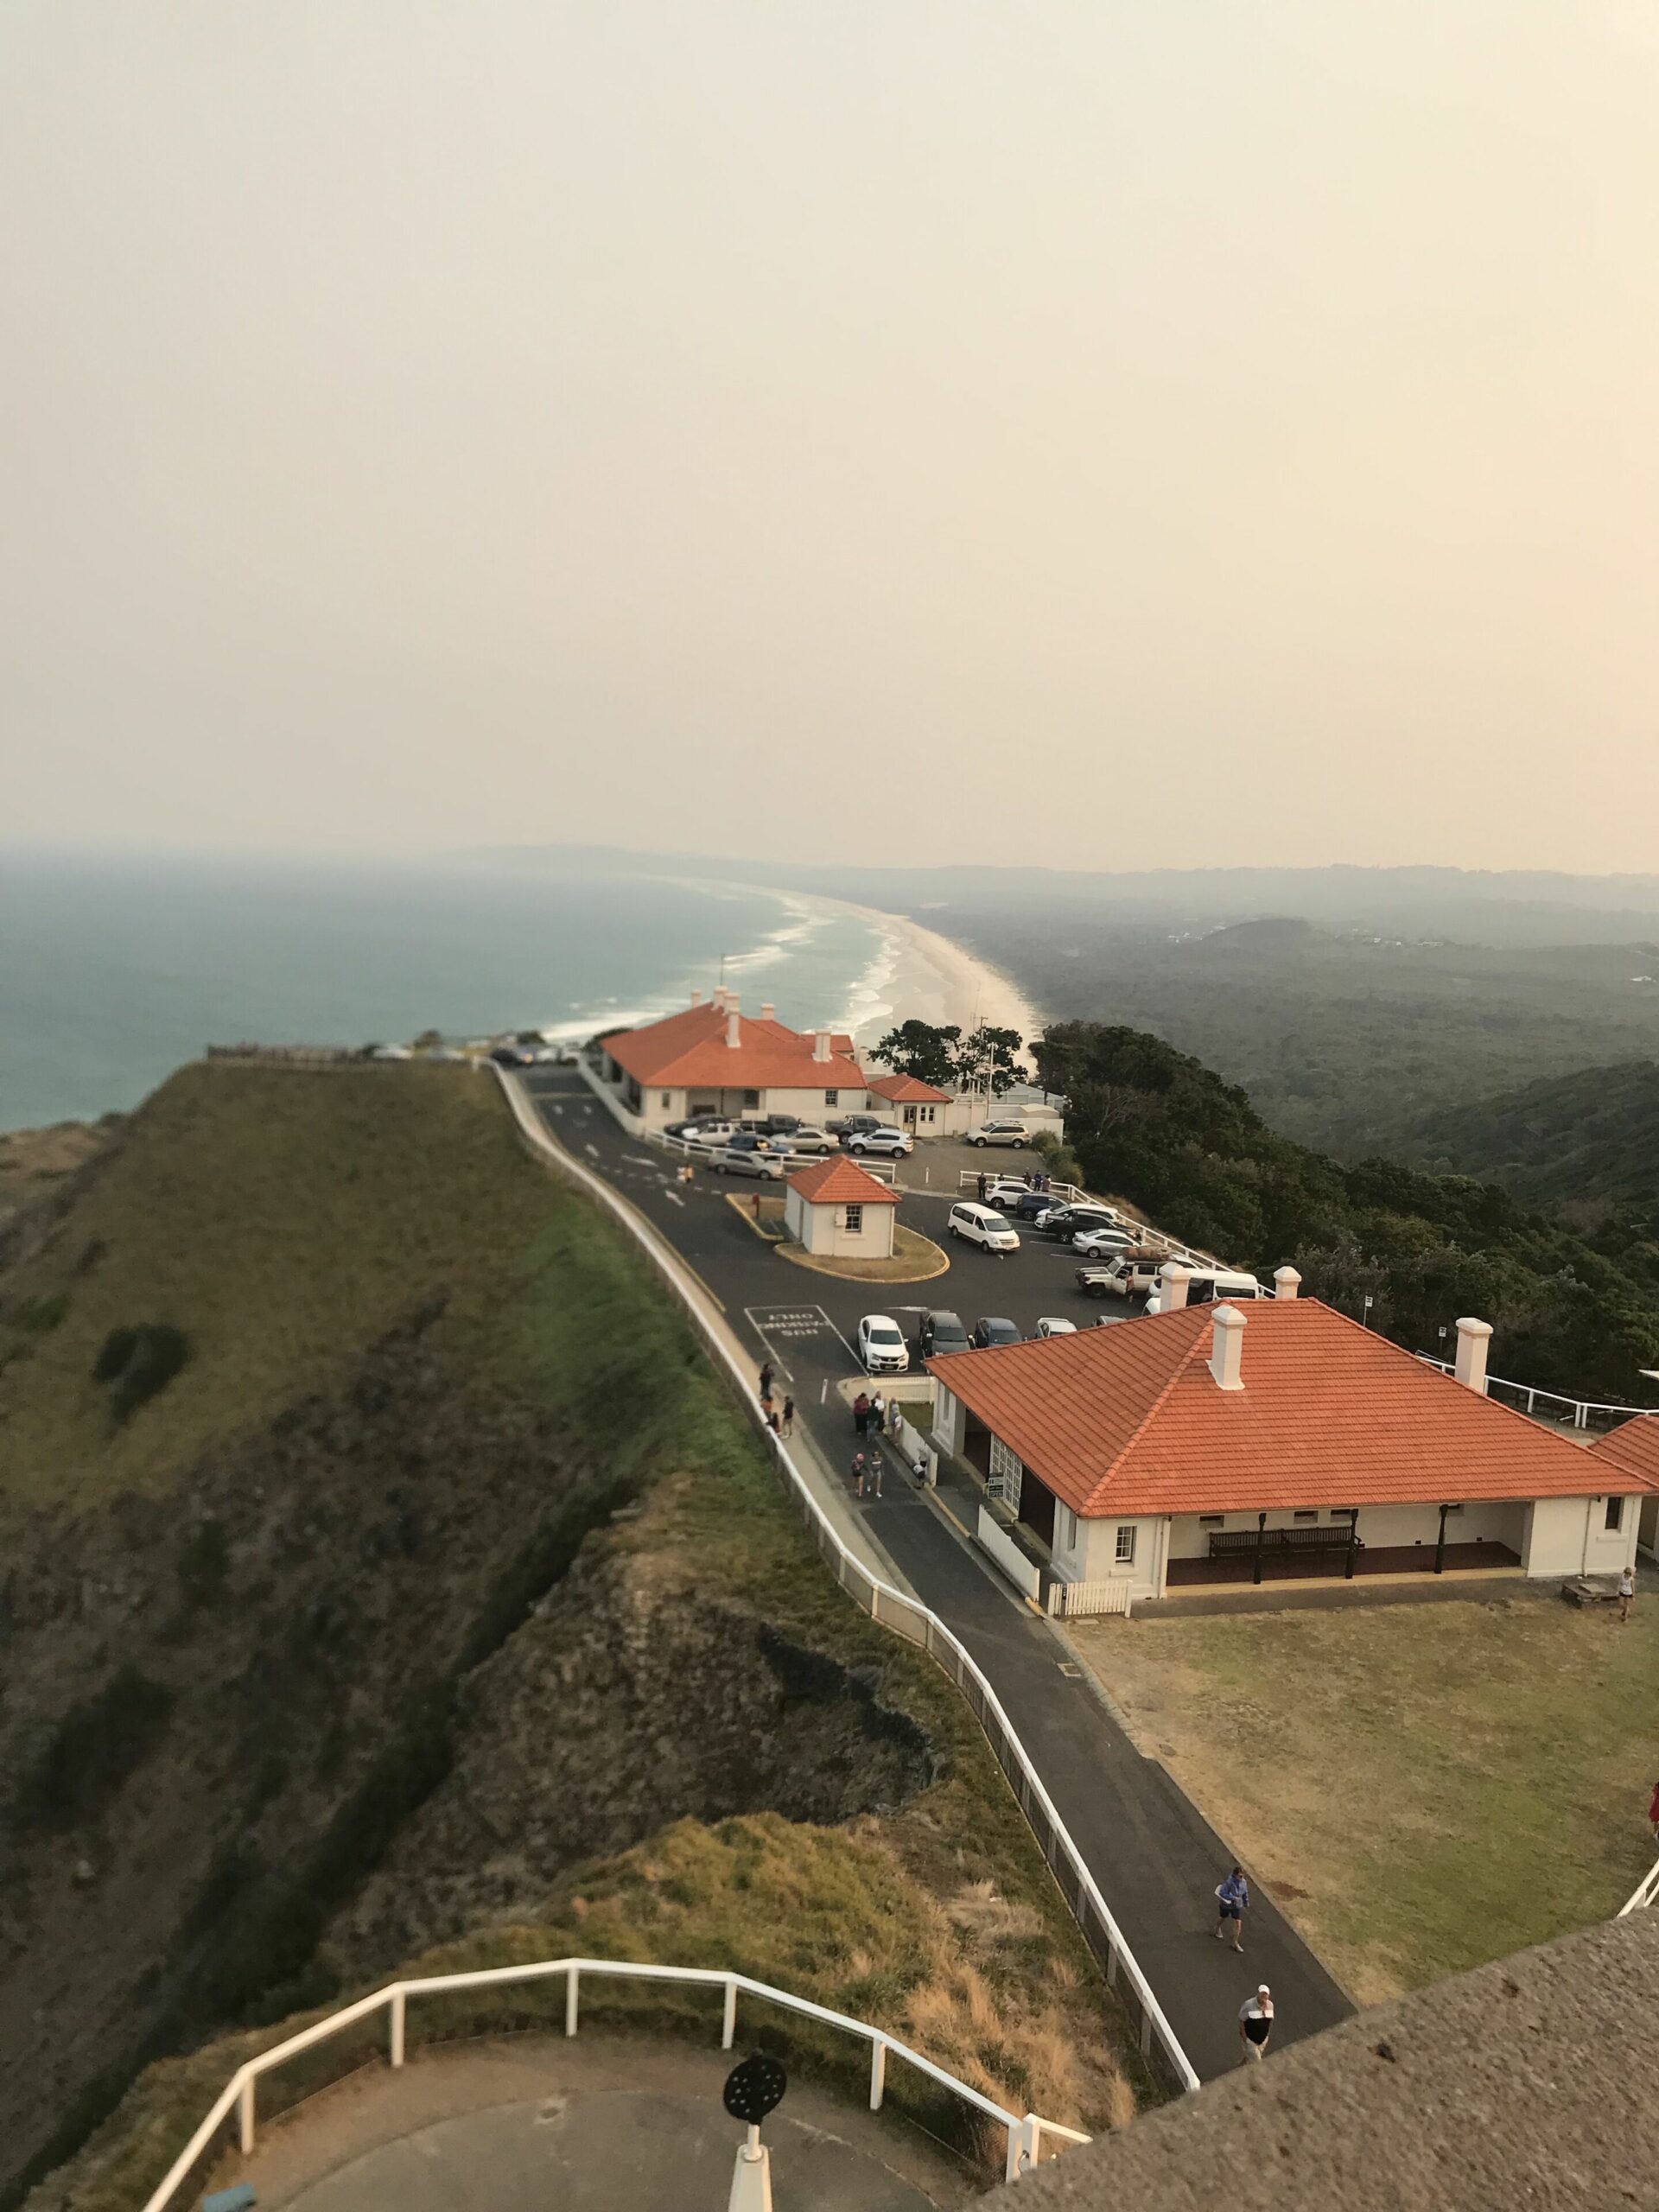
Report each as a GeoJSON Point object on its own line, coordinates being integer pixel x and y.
{"type": "Point", "coordinates": [921, 1049]}
{"type": "Point", "coordinates": [428, 1040]}
{"type": "Point", "coordinates": [987, 1060]}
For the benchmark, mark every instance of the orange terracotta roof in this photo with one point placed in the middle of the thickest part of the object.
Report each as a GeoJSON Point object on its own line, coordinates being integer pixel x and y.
{"type": "Point", "coordinates": [840, 1182]}
{"type": "Point", "coordinates": [688, 1049]}
{"type": "Point", "coordinates": [1128, 1419]}
{"type": "Point", "coordinates": [908, 1090]}
{"type": "Point", "coordinates": [1632, 1448]}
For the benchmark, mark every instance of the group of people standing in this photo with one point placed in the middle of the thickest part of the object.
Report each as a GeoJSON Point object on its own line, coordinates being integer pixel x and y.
{"type": "Point", "coordinates": [1036, 1180]}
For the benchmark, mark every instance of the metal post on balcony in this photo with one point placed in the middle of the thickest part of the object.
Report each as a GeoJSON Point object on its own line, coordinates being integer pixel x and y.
{"type": "Point", "coordinates": [244, 2112]}
{"type": "Point", "coordinates": [728, 2022]}
{"type": "Point", "coordinates": [572, 1987]}
{"type": "Point", "coordinates": [1260, 1538]}
{"type": "Point", "coordinates": [878, 2074]}
{"type": "Point", "coordinates": [395, 2023]}
{"type": "Point", "coordinates": [1439, 1543]}
{"type": "Point", "coordinates": [1353, 1543]}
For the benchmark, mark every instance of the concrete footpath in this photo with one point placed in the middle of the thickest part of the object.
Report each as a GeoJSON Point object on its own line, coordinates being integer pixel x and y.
{"type": "Point", "coordinates": [1156, 1859]}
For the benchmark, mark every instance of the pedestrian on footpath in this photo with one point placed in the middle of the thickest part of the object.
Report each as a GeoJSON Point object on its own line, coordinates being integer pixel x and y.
{"type": "Point", "coordinates": [858, 1474]}
{"type": "Point", "coordinates": [771, 1419]}
{"type": "Point", "coordinates": [1653, 1814]}
{"type": "Point", "coordinates": [876, 1474]}
{"type": "Point", "coordinates": [862, 1415]}
{"type": "Point", "coordinates": [766, 1379]}
{"type": "Point", "coordinates": [1255, 2025]}
{"type": "Point", "coordinates": [878, 1416]}
{"type": "Point", "coordinates": [1233, 1899]}
{"type": "Point", "coordinates": [982, 1187]}
{"type": "Point", "coordinates": [1626, 1592]}
{"type": "Point", "coordinates": [788, 1428]}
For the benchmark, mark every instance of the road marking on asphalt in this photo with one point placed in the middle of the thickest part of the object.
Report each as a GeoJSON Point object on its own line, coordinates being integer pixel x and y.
{"type": "Point", "coordinates": [593, 1148]}
{"type": "Point", "coordinates": [675, 1195]}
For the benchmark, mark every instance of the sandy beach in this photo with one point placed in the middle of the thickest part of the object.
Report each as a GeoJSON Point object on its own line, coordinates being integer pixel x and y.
{"type": "Point", "coordinates": [934, 979]}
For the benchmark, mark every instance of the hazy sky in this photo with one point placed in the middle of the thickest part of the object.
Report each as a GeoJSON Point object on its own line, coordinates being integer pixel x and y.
{"type": "Point", "coordinates": [1140, 432]}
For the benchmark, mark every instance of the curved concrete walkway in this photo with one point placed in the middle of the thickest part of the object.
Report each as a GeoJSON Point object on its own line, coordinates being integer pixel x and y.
{"type": "Point", "coordinates": [601, 2123]}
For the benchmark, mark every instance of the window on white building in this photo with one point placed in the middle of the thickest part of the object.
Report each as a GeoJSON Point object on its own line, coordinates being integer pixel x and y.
{"type": "Point", "coordinates": [1126, 1544]}
{"type": "Point", "coordinates": [854, 1221]}
{"type": "Point", "coordinates": [1615, 1515]}
{"type": "Point", "coordinates": [667, 1097]}
{"type": "Point", "coordinates": [1309, 1516]}
{"type": "Point", "coordinates": [832, 1098]}
{"type": "Point", "coordinates": [1212, 1520]}
{"type": "Point", "coordinates": [1065, 1529]}
{"type": "Point", "coordinates": [750, 1098]}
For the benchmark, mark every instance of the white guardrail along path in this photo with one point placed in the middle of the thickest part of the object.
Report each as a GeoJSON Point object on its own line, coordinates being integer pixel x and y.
{"type": "Point", "coordinates": [1527, 1397]}
{"type": "Point", "coordinates": [1024, 2133]}
{"type": "Point", "coordinates": [901, 1613]}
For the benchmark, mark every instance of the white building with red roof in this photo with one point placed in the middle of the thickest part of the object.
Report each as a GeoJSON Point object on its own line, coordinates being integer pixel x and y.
{"type": "Point", "coordinates": [1215, 1443]}
{"type": "Point", "coordinates": [921, 1108]}
{"type": "Point", "coordinates": [837, 1209]}
{"type": "Point", "coordinates": [712, 1059]}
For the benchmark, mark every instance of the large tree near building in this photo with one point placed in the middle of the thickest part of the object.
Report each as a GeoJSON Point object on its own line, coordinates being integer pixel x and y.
{"type": "Point", "coordinates": [921, 1049]}
{"type": "Point", "coordinates": [987, 1060]}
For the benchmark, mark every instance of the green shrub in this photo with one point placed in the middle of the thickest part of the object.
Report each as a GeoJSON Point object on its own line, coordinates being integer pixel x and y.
{"type": "Point", "coordinates": [95, 1745]}
{"type": "Point", "coordinates": [138, 1362]}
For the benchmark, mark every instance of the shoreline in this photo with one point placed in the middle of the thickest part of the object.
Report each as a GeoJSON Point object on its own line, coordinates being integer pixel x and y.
{"type": "Point", "coordinates": [934, 979]}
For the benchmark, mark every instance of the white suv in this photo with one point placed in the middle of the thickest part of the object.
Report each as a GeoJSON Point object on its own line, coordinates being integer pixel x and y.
{"type": "Point", "coordinates": [1001, 1132]}
{"type": "Point", "coordinates": [984, 1226]}
{"type": "Point", "coordinates": [882, 1346]}
{"type": "Point", "coordinates": [893, 1144]}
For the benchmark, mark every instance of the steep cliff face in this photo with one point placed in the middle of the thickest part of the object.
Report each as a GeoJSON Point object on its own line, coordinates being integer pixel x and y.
{"type": "Point", "coordinates": [345, 1672]}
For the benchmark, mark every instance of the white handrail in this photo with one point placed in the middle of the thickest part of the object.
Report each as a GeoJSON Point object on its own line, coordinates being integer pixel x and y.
{"type": "Point", "coordinates": [887, 1604]}
{"type": "Point", "coordinates": [1580, 1408]}
{"type": "Point", "coordinates": [1024, 2133]}
{"type": "Point", "coordinates": [1644, 1894]}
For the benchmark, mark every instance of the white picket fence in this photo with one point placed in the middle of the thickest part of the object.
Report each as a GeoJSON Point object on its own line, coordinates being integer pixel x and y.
{"type": "Point", "coordinates": [1071, 1600]}
{"type": "Point", "coordinates": [896, 1609]}
{"type": "Point", "coordinates": [1024, 2133]}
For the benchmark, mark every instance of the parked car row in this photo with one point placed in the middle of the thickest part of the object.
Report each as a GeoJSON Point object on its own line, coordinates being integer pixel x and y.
{"type": "Point", "coordinates": [882, 1348]}
{"type": "Point", "coordinates": [782, 1133]}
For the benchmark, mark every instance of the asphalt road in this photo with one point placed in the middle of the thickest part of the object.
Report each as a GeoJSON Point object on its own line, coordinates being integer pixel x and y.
{"type": "Point", "coordinates": [1156, 1859]}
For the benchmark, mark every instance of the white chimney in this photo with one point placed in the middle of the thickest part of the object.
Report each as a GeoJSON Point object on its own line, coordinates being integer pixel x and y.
{"type": "Point", "coordinates": [768, 1011]}
{"type": "Point", "coordinates": [1175, 1279]}
{"type": "Point", "coordinates": [1473, 1337]}
{"type": "Point", "coordinates": [1285, 1282]}
{"type": "Point", "coordinates": [821, 1045]}
{"type": "Point", "coordinates": [697, 998]}
{"type": "Point", "coordinates": [717, 997]}
{"type": "Point", "coordinates": [1227, 1347]}
{"type": "Point", "coordinates": [734, 1037]}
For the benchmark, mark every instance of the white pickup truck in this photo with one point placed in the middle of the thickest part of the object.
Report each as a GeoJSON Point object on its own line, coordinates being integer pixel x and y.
{"type": "Point", "coordinates": [1129, 1275]}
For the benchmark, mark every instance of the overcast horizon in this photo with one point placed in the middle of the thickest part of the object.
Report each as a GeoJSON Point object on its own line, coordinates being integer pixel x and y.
{"type": "Point", "coordinates": [1099, 438]}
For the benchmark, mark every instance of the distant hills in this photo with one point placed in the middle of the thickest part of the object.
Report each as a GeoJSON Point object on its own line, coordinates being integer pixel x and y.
{"type": "Point", "coordinates": [1585, 1144]}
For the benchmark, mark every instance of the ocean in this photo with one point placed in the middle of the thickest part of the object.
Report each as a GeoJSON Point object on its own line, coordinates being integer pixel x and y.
{"type": "Point", "coordinates": [114, 971]}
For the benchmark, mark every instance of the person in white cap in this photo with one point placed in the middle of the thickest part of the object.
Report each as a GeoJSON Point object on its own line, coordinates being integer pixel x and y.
{"type": "Point", "coordinates": [1255, 2023]}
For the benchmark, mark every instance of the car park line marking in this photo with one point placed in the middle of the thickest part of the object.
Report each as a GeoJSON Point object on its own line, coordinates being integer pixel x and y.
{"type": "Point", "coordinates": [769, 1348]}
{"type": "Point", "coordinates": [675, 1195]}
{"type": "Point", "coordinates": [593, 1148]}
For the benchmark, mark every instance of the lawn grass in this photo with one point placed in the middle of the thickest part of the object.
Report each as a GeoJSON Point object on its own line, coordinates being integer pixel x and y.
{"type": "Point", "coordinates": [1422, 1788]}
{"type": "Point", "coordinates": [284, 1220]}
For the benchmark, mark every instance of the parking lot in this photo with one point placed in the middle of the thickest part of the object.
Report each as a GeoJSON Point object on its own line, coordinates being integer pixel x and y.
{"type": "Point", "coordinates": [744, 1273]}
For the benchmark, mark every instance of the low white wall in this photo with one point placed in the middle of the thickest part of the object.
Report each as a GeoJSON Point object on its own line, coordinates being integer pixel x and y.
{"type": "Point", "coordinates": [950, 1422]}
{"type": "Point", "coordinates": [1093, 1556]}
{"type": "Point", "coordinates": [1023, 1574]}
{"type": "Point", "coordinates": [1568, 1535]}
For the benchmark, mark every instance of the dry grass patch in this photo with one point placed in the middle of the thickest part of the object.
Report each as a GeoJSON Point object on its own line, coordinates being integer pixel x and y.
{"type": "Point", "coordinates": [1421, 1788]}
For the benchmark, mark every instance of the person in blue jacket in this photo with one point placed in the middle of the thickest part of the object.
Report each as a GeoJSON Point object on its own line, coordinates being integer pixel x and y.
{"type": "Point", "coordinates": [1233, 1898]}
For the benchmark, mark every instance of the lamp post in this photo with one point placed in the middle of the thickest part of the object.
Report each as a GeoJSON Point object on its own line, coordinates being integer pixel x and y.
{"type": "Point", "coordinates": [1369, 1302]}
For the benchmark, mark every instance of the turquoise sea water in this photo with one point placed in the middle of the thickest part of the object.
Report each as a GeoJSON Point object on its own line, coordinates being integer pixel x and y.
{"type": "Point", "coordinates": [114, 971]}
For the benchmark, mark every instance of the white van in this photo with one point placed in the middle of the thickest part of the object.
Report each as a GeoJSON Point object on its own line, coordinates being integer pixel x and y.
{"type": "Point", "coordinates": [984, 1226]}
{"type": "Point", "coordinates": [1209, 1284]}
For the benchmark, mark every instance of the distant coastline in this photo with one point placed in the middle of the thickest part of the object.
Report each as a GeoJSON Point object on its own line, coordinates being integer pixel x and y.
{"type": "Point", "coordinates": [935, 979]}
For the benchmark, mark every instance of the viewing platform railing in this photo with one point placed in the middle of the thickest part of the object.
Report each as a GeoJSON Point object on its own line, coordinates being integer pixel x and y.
{"type": "Point", "coordinates": [1024, 2133]}
{"type": "Point", "coordinates": [1529, 1398]}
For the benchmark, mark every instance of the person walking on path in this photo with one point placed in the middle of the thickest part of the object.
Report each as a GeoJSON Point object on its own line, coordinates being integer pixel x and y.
{"type": "Point", "coordinates": [983, 1187]}
{"type": "Point", "coordinates": [1626, 1592]}
{"type": "Point", "coordinates": [876, 1474]}
{"type": "Point", "coordinates": [878, 1416]}
{"type": "Point", "coordinates": [788, 1428]}
{"type": "Point", "coordinates": [1233, 1899]}
{"type": "Point", "coordinates": [766, 1379]}
{"type": "Point", "coordinates": [1255, 2025]}
{"type": "Point", "coordinates": [858, 1474]}
{"type": "Point", "coordinates": [1653, 1814]}
{"type": "Point", "coordinates": [862, 1415]}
